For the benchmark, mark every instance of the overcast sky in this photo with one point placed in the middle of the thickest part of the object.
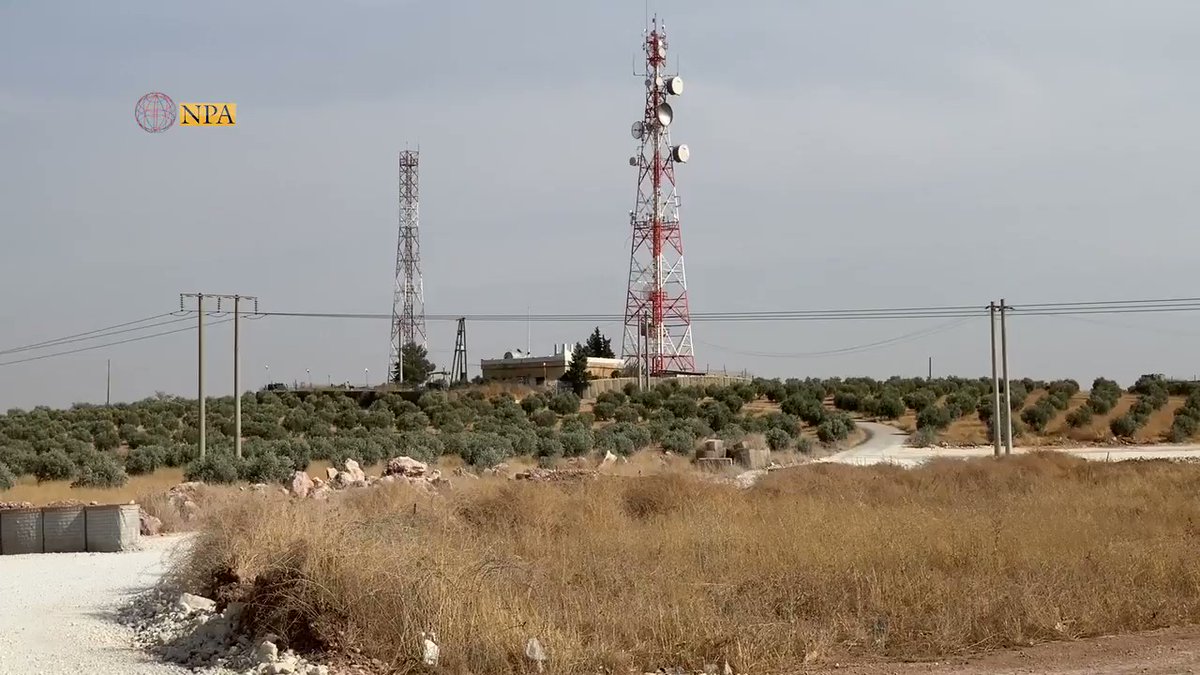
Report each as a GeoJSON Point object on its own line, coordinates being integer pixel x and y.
{"type": "Point", "coordinates": [844, 154]}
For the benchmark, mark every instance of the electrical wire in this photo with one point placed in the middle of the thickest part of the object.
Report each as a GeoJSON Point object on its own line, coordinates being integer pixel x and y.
{"type": "Point", "coordinates": [90, 336]}
{"type": "Point", "coordinates": [108, 344]}
{"type": "Point", "coordinates": [68, 338]}
{"type": "Point", "coordinates": [856, 349]}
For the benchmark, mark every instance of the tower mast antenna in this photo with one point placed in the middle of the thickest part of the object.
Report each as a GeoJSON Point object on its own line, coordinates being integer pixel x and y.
{"type": "Point", "coordinates": [408, 296]}
{"type": "Point", "coordinates": [657, 296]}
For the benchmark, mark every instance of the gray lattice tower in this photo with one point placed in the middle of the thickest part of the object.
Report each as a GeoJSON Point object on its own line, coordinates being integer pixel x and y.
{"type": "Point", "coordinates": [408, 298]}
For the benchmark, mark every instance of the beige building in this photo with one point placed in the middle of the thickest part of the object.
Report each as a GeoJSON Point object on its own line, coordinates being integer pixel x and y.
{"type": "Point", "coordinates": [521, 368]}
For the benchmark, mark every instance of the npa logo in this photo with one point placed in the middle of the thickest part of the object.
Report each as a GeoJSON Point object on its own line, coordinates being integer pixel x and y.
{"type": "Point", "coordinates": [156, 112]}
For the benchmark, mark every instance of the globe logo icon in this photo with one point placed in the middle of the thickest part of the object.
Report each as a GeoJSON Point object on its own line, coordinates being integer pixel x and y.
{"type": "Point", "coordinates": [155, 112]}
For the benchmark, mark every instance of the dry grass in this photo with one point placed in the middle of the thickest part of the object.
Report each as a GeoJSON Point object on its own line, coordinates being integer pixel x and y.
{"type": "Point", "coordinates": [28, 489]}
{"type": "Point", "coordinates": [816, 563]}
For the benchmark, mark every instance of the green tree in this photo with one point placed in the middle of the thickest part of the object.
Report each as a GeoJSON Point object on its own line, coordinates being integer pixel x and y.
{"type": "Point", "coordinates": [599, 346]}
{"type": "Point", "coordinates": [577, 375]}
{"type": "Point", "coordinates": [415, 364]}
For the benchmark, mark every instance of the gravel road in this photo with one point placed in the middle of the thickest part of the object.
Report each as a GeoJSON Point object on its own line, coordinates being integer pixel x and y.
{"type": "Point", "coordinates": [57, 611]}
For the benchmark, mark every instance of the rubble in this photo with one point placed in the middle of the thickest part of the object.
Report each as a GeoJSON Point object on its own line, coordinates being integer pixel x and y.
{"type": "Point", "coordinates": [540, 475]}
{"type": "Point", "coordinates": [186, 629]}
{"type": "Point", "coordinates": [150, 525]}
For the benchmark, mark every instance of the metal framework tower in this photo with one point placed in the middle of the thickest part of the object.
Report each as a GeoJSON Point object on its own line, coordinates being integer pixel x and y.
{"type": "Point", "coordinates": [657, 291]}
{"type": "Point", "coordinates": [408, 297]}
{"type": "Point", "coordinates": [458, 369]}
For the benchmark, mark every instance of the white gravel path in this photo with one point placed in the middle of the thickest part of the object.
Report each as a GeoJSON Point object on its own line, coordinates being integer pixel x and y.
{"type": "Point", "coordinates": [57, 611]}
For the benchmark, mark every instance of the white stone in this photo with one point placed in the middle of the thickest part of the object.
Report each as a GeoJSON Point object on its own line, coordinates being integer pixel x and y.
{"type": "Point", "coordinates": [609, 459]}
{"type": "Point", "coordinates": [535, 652]}
{"type": "Point", "coordinates": [355, 471]}
{"type": "Point", "coordinates": [301, 484]}
{"type": "Point", "coordinates": [429, 649]}
{"type": "Point", "coordinates": [331, 472]}
{"type": "Point", "coordinates": [195, 603]}
{"type": "Point", "coordinates": [266, 652]}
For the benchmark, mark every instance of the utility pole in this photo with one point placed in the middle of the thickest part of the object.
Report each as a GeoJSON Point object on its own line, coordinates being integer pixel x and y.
{"type": "Point", "coordinates": [237, 371]}
{"type": "Point", "coordinates": [1008, 439]}
{"type": "Point", "coordinates": [930, 378]}
{"type": "Point", "coordinates": [108, 386]}
{"type": "Point", "coordinates": [995, 383]}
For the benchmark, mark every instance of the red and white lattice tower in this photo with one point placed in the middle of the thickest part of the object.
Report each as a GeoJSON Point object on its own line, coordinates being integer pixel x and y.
{"type": "Point", "coordinates": [657, 295]}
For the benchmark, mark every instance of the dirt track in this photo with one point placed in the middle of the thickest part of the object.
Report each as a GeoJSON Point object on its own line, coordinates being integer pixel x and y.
{"type": "Point", "coordinates": [1170, 651]}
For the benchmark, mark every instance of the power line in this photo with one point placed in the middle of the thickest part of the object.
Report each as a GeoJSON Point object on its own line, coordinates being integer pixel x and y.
{"type": "Point", "coordinates": [107, 344]}
{"type": "Point", "coordinates": [50, 343]}
{"type": "Point", "coordinates": [856, 349]}
{"type": "Point", "coordinates": [95, 335]}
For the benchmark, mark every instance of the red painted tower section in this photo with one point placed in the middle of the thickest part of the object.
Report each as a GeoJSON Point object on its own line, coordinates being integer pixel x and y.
{"type": "Point", "coordinates": [656, 304]}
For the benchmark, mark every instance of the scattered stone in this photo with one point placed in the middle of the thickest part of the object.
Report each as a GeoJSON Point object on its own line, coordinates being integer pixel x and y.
{"type": "Point", "coordinates": [405, 466]}
{"type": "Point", "coordinates": [196, 603]}
{"type": "Point", "coordinates": [342, 479]}
{"type": "Point", "coordinates": [331, 473]}
{"type": "Point", "coordinates": [321, 492]}
{"type": "Point", "coordinates": [462, 472]}
{"type": "Point", "coordinates": [266, 652]}
{"type": "Point", "coordinates": [150, 525]}
{"type": "Point", "coordinates": [301, 484]}
{"type": "Point", "coordinates": [429, 649]}
{"type": "Point", "coordinates": [536, 653]}
{"type": "Point", "coordinates": [355, 471]}
{"type": "Point", "coordinates": [540, 475]}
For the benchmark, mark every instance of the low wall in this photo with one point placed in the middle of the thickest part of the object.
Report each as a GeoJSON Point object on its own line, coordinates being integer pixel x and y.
{"type": "Point", "coordinates": [596, 387]}
{"type": "Point", "coordinates": [70, 529]}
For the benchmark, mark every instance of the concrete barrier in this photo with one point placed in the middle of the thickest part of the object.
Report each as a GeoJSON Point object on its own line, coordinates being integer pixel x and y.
{"type": "Point", "coordinates": [20, 531]}
{"type": "Point", "coordinates": [113, 528]}
{"type": "Point", "coordinates": [64, 529]}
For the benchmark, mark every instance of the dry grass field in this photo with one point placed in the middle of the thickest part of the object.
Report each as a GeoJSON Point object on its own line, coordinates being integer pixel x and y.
{"type": "Point", "coordinates": [814, 564]}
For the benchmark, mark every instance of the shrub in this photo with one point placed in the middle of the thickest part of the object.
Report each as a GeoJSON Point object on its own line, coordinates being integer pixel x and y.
{"type": "Point", "coordinates": [806, 408]}
{"type": "Point", "coordinates": [778, 439]}
{"type": "Point", "coordinates": [532, 403]}
{"type": "Point", "coordinates": [804, 445]}
{"type": "Point", "coordinates": [410, 421]}
{"type": "Point", "coordinates": [924, 438]}
{"type": "Point", "coordinates": [1124, 426]}
{"type": "Point", "coordinates": [732, 433]}
{"type": "Point", "coordinates": [143, 460]}
{"type": "Point", "coordinates": [7, 478]}
{"type": "Point", "coordinates": [549, 447]}
{"type": "Point", "coordinates": [933, 417]}
{"type": "Point", "coordinates": [20, 457]}
{"type": "Point", "coordinates": [564, 403]}
{"type": "Point", "coordinates": [1183, 428]}
{"type": "Point", "coordinates": [920, 399]}
{"type": "Point", "coordinates": [603, 410]}
{"type": "Point", "coordinates": [267, 467]}
{"type": "Point", "coordinates": [576, 443]}
{"type": "Point", "coordinates": [101, 470]}
{"type": "Point", "coordinates": [545, 418]}
{"type": "Point", "coordinates": [1080, 417]}
{"type": "Point", "coordinates": [420, 445]}
{"type": "Point", "coordinates": [1039, 415]}
{"type": "Point", "coordinates": [681, 405]}
{"type": "Point", "coordinates": [847, 400]}
{"type": "Point", "coordinates": [626, 413]}
{"type": "Point", "coordinates": [54, 465]}
{"type": "Point", "coordinates": [889, 407]}
{"type": "Point", "coordinates": [485, 450]}
{"type": "Point", "coordinates": [678, 441]}
{"type": "Point", "coordinates": [835, 428]}
{"type": "Point", "coordinates": [215, 468]}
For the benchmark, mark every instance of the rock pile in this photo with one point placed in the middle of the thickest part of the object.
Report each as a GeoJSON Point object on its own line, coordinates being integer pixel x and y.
{"type": "Point", "coordinates": [15, 505]}
{"type": "Point", "coordinates": [186, 629]}
{"type": "Point", "coordinates": [397, 470]}
{"type": "Point", "coordinates": [540, 475]}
